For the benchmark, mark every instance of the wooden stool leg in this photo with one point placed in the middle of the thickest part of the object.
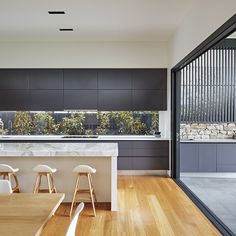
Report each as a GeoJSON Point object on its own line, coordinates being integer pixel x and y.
{"type": "Point", "coordinates": [17, 188]}
{"type": "Point", "coordinates": [75, 192]}
{"type": "Point", "coordinates": [36, 184]}
{"type": "Point", "coordinates": [91, 194]}
{"type": "Point", "coordinates": [54, 190]}
{"type": "Point", "coordinates": [49, 184]}
{"type": "Point", "coordinates": [93, 187]}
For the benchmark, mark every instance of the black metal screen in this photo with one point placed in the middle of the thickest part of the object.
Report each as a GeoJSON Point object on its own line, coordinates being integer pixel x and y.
{"type": "Point", "coordinates": [208, 87]}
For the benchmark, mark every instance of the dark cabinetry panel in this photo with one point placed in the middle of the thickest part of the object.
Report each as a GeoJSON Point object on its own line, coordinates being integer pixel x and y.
{"type": "Point", "coordinates": [189, 157]}
{"type": "Point", "coordinates": [46, 100]}
{"type": "Point", "coordinates": [143, 155]}
{"type": "Point", "coordinates": [80, 79]}
{"type": "Point", "coordinates": [149, 79]}
{"type": "Point", "coordinates": [83, 99]}
{"type": "Point", "coordinates": [114, 79]}
{"type": "Point", "coordinates": [117, 100]}
{"type": "Point", "coordinates": [14, 79]}
{"type": "Point", "coordinates": [149, 100]}
{"type": "Point", "coordinates": [207, 157]}
{"type": "Point", "coordinates": [150, 163]}
{"type": "Point", "coordinates": [124, 163]}
{"type": "Point", "coordinates": [46, 78]}
{"type": "Point", "coordinates": [226, 158]}
{"type": "Point", "coordinates": [14, 100]}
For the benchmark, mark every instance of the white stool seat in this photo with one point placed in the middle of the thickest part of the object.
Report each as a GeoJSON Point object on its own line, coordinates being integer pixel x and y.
{"type": "Point", "coordinates": [7, 168]}
{"type": "Point", "coordinates": [44, 168]}
{"type": "Point", "coordinates": [84, 169]}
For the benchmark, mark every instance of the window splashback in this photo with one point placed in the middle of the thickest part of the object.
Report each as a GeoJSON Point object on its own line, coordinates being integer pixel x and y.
{"type": "Point", "coordinates": [79, 123]}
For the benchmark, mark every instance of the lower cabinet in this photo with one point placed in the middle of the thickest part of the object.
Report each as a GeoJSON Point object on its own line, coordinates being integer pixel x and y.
{"type": "Point", "coordinates": [143, 155]}
{"type": "Point", "coordinates": [207, 157]}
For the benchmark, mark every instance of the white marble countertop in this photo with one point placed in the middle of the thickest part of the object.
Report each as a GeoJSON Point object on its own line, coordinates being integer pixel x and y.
{"type": "Point", "coordinates": [60, 138]}
{"type": "Point", "coordinates": [59, 149]}
{"type": "Point", "coordinates": [208, 140]}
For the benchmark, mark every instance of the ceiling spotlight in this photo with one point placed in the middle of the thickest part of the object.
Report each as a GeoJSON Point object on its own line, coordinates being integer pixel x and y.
{"type": "Point", "coordinates": [66, 29]}
{"type": "Point", "coordinates": [56, 12]}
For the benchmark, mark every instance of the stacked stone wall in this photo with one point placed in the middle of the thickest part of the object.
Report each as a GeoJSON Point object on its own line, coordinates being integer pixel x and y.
{"type": "Point", "coordinates": [207, 131]}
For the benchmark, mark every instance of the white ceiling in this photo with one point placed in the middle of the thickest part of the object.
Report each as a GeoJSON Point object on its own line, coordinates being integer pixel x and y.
{"type": "Point", "coordinates": [92, 20]}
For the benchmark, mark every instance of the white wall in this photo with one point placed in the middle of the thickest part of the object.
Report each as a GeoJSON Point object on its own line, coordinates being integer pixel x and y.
{"type": "Point", "coordinates": [84, 55]}
{"type": "Point", "coordinates": [205, 17]}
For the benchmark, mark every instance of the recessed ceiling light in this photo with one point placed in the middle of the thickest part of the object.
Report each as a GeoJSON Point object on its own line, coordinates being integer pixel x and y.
{"type": "Point", "coordinates": [66, 29]}
{"type": "Point", "coordinates": [56, 12]}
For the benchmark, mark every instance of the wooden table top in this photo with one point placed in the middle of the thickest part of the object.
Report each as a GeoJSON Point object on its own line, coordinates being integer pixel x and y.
{"type": "Point", "coordinates": [27, 213]}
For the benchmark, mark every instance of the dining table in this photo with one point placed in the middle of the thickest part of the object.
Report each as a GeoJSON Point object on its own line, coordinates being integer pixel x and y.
{"type": "Point", "coordinates": [27, 213]}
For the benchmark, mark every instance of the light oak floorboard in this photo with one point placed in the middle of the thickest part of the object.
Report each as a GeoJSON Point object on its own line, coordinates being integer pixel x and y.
{"type": "Point", "coordinates": [148, 205]}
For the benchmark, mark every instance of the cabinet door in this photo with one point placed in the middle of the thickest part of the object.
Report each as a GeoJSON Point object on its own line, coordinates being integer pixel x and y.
{"type": "Point", "coordinates": [80, 99]}
{"type": "Point", "coordinates": [124, 163]}
{"type": "Point", "coordinates": [189, 157]}
{"type": "Point", "coordinates": [14, 79]}
{"type": "Point", "coordinates": [150, 163]}
{"type": "Point", "coordinates": [226, 157]}
{"type": "Point", "coordinates": [207, 157]}
{"type": "Point", "coordinates": [149, 79]}
{"type": "Point", "coordinates": [46, 79]}
{"type": "Point", "coordinates": [14, 100]}
{"type": "Point", "coordinates": [114, 100]}
{"type": "Point", "coordinates": [114, 79]}
{"type": "Point", "coordinates": [149, 100]}
{"type": "Point", "coordinates": [46, 100]}
{"type": "Point", "coordinates": [80, 79]}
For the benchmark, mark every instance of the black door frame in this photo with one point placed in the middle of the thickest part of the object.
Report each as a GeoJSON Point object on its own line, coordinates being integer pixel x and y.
{"type": "Point", "coordinates": [226, 29]}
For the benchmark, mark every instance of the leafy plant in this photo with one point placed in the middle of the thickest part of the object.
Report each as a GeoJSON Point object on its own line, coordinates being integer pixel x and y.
{"type": "Point", "coordinates": [45, 124]}
{"type": "Point", "coordinates": [126, 123]}
{"type": "Point", "coordinates": [23, 123]}
{"type": "Point", "coordinates": [2, 131]}
{"type": "Point", "coordinates": [104, 123]}
{"type": "Point", "coordinates": [74, 124]}
{"type": "Point", "coordinates": [155, 122]}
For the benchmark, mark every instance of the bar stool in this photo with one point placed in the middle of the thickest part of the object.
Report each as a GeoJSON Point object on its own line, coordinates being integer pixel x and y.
{"type": "Point", "coordinates": [47, 171]}
{"type": "Point", "coordinates": [86, 171]}
{"type": "Point", "coordinates": [7, 172]}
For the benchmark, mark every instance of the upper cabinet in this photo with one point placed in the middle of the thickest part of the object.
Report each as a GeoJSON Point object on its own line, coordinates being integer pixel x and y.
{"type": "Point", "coordinates": [101, 89]}
{"type": "Point", "coordinates": [14, 79]}
{"type": "Point", "coordinates": [114, 79]}
{"type": "Point", "coordinates": [46, 79]}
{"type": "Point", "coordinates": [80, 79]}
{"type": "Point", "coordinates": [149, 79]}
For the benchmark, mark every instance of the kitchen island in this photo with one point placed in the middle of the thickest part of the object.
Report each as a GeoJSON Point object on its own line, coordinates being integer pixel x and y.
{"type": "Point", "coordinates": [64, 157]}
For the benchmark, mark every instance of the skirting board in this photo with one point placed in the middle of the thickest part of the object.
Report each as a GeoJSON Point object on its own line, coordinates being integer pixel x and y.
{"type": "Point", "coordinates": [143, 172]}
{"type": "Point", "coordinates": [209, 175]}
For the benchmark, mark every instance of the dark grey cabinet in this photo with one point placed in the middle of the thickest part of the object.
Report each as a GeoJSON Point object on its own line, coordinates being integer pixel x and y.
{"type": "Point", "coordinates": [80, 79]}
{"type": "Point", "coordinates": [46, 100]}
{"type": "Point", "coordinates": [102, 89]}
{"type": "Point", "coordinates": [14, 100]}
{"type": "Point", "coordinates": [149, 100]}
{"type": "Point", "coordinates": [189, 157]}
{"type": "Point", "coordinates": [226, 157]}
{"type": "Point", "coordinates": [83, 99]}
{"type": "Point", "coordinates": [114, 79]}
{"type": "Point", "coordinates": [116, 100]}
{"type": "Point", "coordinates": [207, 157]}
{"type": "Point", "coordinates": [14, 79]}
{"type": "Point", "coordinates": [143, 155]}
{"type": "Point", "coordinates": [41, 79]}
{"type": "Point", "coordinates": [149, 79]}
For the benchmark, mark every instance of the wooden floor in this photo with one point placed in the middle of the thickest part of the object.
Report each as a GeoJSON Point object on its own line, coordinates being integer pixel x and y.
{"type": "Point", "coordinates": [148, 205]}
